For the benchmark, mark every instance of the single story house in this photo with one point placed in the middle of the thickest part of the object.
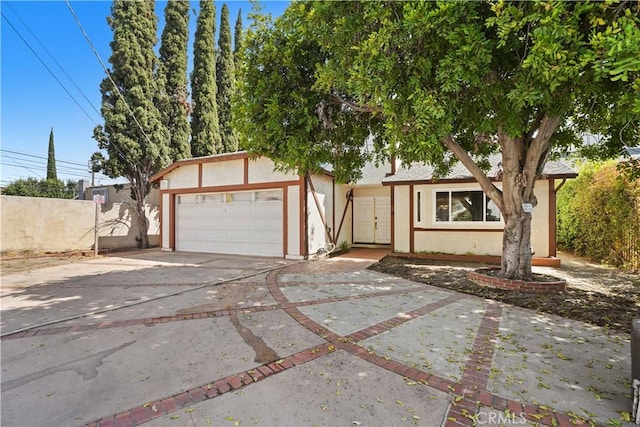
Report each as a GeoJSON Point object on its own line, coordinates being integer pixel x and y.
{"type": "Point", "coordinates": [232, 204]}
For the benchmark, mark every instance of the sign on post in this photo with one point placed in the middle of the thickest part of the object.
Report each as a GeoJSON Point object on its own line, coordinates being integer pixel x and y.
{"type": "Point", "coordinates": [98, 199]}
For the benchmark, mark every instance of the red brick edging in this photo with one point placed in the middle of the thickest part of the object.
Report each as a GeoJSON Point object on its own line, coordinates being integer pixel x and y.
{"type": "Point", "coordinates": [479, 277]}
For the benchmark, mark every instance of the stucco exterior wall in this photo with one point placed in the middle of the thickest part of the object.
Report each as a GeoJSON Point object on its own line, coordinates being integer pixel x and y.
{"type": "Point", "coordinates": [118, 224]}
{"type": "Point", "coordinates": [58, 225]}
{"type": "Point", "coordinates": [477, 238]}
{"type": "Point", "coordinates": [262, 170]}
{"type": "Point", "coordinates": [293, 221]}
{"type": "Point", "coordinates": [184, 177]}
{"type": "Point", "coordinates": [347, 224]}
{"type": "Point", "coordinates": [230, 172]}
{"type": "Point", "coordinates": [40, 224]}
{"type": "Point", "coordinates": [317, 235]}
{"type": "Point", "coordinates": [401, 219]}
{"type": "Point", "coordinates": [166, 199]}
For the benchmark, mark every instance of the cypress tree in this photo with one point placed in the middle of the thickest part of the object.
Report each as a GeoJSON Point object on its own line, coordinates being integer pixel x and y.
{"type": "Point", "coordinates": [51, 159]}
{"type": "Point", "coordinates": [237, 41]}
{"type": "Point", "coordinates": [225, 72]}
{"type": "Point", "coordinates": [133, 137]}
{"type": "Point", "coordinates": [205, 127]}
{"type": "Point", "coordinates": [173, 60]}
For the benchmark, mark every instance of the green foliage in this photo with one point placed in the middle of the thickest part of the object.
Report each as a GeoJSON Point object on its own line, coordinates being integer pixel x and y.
{"type": "Point", "coordinates": [134, 137]}
{"type": "Point", "coordinates": [237, 40]}
{"type": "Point", "coordinates": [205, 126]}
{"type": "Point", "coordinates": [276, 110]}
{"type": "Point", "coordinates": [226, 81]}
{"type": "Point", "coordinates": [436, 81]}
{"type": "Point", "coordinates": [49, 188]}
{"type": "Point", "coordinates": [173, 60]}
{"type": "Point", "coordinates": [51, 159]}
{"type": "Point", "coordinates": [599, 216]}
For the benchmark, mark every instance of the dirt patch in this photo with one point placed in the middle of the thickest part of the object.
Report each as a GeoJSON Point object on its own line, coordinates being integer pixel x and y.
{"type": "Point", "coordinates": [25, 262]}
{"type": "Point", "coordinates": [596, 295]}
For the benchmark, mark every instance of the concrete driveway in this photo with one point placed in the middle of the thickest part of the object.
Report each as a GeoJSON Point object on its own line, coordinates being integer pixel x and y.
{"type": "Point", "coordinates": [171, 339]}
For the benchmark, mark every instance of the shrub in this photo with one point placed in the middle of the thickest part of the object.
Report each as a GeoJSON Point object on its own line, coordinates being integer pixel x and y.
{"type": "Point", "coordinates": [599, 216]}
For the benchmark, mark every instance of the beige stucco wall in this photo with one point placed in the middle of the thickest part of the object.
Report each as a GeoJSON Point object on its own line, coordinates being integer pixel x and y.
{"type": "Point", "coordinates": [317, 236]}
{"type": "Point", "coordinates": [293, 221]}
{"type": "Point", "coordinates": [166, 199]}
{"type": "Point", "coordinates": [230, 172]}
{"type": "Point", "coordinates": [262, 170]}
{"type": "Point", "coordinates": [118, 225]}
{"type": "Point", "coordinates": [347, 224]}
{"type": "Point", "coordinates": [57, 225]}
{"type": "Point", "coordinates": [183, 177]}
{"type": "Point", "coordinates": [46, 225]}
{"type": "Point", "coordinates": [401, 219]}
{"type": "Point", "coordinates": [466, 240]}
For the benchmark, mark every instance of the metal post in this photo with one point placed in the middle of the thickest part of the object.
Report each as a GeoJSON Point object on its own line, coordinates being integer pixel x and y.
{"type": "Point", "coordinates": [95, 227]}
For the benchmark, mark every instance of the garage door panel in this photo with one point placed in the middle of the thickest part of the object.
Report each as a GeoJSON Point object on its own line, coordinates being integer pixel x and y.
{"type": "Point", "coordinates": [266, 249]}
{"type": "Point", "coordinates": [248, 223]}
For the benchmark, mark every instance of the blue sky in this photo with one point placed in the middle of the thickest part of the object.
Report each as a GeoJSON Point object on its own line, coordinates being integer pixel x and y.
{"type": "Point", "coordinates": [33, 102]}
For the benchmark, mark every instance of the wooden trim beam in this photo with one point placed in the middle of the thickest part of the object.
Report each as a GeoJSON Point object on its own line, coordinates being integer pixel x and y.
{"type": "Point", "coordinates": [552, 217]}
{"type": "Point", "coordinates": [465, 230]}
{"type": "Point", "coordinates": [411, 228]}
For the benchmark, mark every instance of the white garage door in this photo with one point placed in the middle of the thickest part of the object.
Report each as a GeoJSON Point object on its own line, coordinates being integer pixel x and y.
{"type": "Point", "coordinates": [246, 223]}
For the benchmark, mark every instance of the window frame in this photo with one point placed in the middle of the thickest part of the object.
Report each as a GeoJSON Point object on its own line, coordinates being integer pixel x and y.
{"type": "Point", "coordinates": [449, 221]}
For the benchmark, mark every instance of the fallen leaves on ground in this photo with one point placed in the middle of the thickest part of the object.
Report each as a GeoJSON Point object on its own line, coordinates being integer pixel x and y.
{"type": "Point", "coordinates": [597, 304]}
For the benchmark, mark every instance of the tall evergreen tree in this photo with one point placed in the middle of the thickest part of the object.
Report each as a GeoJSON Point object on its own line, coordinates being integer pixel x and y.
{"type": "Point", "coordinates": [173, 60]}
{"type": "Point", "coordinates": [51, 159]}
{"type": "Point", "coordinates": [205, 127]}
{"type": "Point", "coordinates": [237, 41]}
{"type": "Point", "coordinates": [133, 136]}
{"type": "Point", "coordinates": [225, 72]}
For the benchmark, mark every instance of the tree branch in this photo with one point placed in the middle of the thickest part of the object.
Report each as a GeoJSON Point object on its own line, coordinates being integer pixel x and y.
{"type": "Point", "coordinates": [485, 183]}
{"type": "Point", "coordinates": [355, 107]}
{"type": "Point", "coordinates": [538, 151]}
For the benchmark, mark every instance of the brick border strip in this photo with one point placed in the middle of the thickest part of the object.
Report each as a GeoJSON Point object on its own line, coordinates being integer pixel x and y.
{"type": "Point", "coordinates": [468, 396]}
{"type": "Point", "coordinates": [478, 277]}
{"type": "Point", "coordinates": [149, 321]}
{"type": "Point", "coordinates": [169, 405]}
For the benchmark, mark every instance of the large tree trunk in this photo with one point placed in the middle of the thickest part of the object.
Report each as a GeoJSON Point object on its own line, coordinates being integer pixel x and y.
{"type": "Point", "coordinates": [516, 246]}
{"type": "Point", "coordinates": [139, 193]}
{"type": "Point", "coordinates": [523, 159]}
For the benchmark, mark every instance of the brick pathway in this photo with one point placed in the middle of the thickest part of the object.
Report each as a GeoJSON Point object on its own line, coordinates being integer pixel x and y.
{"type": "Point", "coordinates": [469, 397]}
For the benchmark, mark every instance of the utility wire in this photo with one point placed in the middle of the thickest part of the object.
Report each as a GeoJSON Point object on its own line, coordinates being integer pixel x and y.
{"type": "Point", "coordinates": [104, 67]}
{"type": "Point", "coordinates": [16, 164]}
{"type": "Point", "coordinates": [8, 4]}
{"type": "Point", "coordinates": [48, 69]}
{"type": "Point", "coordinates": [43, 164]}
{"type": "Point", "coordinates": [29, 169]}
{"type": "Point", "coordinates": [41, 157]}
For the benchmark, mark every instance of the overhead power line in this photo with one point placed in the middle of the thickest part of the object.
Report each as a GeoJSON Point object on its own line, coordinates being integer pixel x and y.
{"type": "Point", "coordinates": [48, 69]}
{"type": "Point", "coordinates": [7, 4]}
{"type": "Point", "coordinates": [106, 70]}
{"type": "Point", "coordinates": [41, 157]}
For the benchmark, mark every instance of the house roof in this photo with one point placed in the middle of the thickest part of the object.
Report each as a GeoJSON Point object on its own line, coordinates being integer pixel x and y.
{"type": "Point", "coordinates": [634, 152]}
{"type": "Point", "coordinates": [420, 172]}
